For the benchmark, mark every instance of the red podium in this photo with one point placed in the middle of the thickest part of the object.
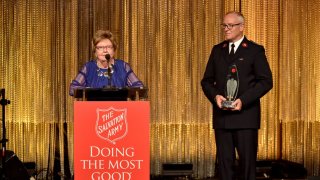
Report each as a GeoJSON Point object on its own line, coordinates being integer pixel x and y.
{"type": "Point", "coordinates": [111, 140]}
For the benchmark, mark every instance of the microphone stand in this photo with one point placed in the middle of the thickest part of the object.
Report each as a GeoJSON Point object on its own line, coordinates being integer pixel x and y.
{"type": "Point", "coordinates": [110, 73]}
{"type": "Point", "coordinates": [3, 103]}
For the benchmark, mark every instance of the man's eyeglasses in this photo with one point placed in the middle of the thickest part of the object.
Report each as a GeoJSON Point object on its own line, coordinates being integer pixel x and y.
{"type": "Point", "coordinates": [229, 26]}
{"type": "Point", "coordinates": [101, 48]}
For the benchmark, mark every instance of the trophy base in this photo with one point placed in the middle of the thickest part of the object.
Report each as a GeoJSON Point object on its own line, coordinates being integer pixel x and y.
{"type": "Point", "coordinates": [227, 105]}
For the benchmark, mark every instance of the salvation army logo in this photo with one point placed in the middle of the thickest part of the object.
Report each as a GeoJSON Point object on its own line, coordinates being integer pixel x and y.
{"type": "Point", "coordinates": [111, 124]}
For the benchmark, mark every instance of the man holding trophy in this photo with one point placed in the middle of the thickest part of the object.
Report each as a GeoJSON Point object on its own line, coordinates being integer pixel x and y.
{"type": "Point", "coordinates": [236, 77]}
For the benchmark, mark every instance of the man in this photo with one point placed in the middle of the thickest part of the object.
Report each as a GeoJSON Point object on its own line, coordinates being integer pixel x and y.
{"type": "Point", "coordinates": [237, 128]}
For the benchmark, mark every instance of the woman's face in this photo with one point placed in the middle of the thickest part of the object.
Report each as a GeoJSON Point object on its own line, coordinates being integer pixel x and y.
{"type": "Point", "coordinates": [104, 47]}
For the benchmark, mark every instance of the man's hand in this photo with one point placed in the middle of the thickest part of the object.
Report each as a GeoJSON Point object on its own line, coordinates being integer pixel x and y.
{"type": "Point", "coordinates": [237, 105]}
{"type": "Point", "coordinates": [219, 100]}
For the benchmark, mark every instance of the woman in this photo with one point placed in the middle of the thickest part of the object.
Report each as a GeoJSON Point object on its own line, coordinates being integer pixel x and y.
{"type": "Point", "coordinates": [105, 70]}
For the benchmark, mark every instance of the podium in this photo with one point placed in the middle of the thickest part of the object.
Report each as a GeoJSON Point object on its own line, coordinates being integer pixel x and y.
{"type": "Point", "coordinates": [111, 94]}
{"type": "Point", "coordinates": [111, 134]}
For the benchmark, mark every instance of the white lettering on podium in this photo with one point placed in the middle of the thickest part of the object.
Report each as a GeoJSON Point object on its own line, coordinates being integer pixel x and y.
{"type": "Point", "coordinates": [107, 116]}
{"type": "Point", "coordinates": [114, 130]}
{"type": "Point", "coordinates": [111, 152]}
{"type": "Point", "coordinates": [125, 164]}
{"type": "Point", "coordinates": [92, 164]}
{"type": "Point", "coordinates": [111, 176]}
{"type": "Point", "coordinates": [112, 126]}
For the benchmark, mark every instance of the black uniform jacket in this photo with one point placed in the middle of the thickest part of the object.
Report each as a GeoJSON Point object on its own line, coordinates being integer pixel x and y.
{"type": "Point", "coordinates": [255, 80]}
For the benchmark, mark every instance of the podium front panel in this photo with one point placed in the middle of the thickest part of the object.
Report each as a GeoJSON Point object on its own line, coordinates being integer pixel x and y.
{"type": "Point", "coordinates": [111, 140]}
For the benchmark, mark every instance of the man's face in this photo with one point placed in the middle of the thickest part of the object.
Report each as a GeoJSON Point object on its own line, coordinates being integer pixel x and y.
{"type": "Point", "coordinates": [233, 27]}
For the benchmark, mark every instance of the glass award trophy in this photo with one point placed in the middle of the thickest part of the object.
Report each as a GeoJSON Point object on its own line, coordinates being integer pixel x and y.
{"type": "Point", "coordinates": [232, 86]}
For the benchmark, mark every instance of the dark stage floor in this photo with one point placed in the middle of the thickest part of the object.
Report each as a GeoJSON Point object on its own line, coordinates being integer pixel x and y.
{"type": "Point", "coordinates": [268, 169]}
{"type": "Point", "coordinates": [258, 178]}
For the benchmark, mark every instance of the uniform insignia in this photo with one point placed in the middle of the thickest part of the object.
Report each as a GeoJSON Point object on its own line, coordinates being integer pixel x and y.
{"type": "Point", "coordinates": [241, 59]}
{"type": "Point", "coordinates": [245, 45]}
{"type": "Point", "coordinates": [224, 45]}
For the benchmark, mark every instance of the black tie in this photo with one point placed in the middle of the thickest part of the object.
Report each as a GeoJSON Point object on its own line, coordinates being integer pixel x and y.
{"type": "Point", "coordinates": [232, 50]}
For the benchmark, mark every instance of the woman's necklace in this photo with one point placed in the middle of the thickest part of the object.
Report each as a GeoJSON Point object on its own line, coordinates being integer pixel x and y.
{"type": "Point", "coordinates": [109, 70]}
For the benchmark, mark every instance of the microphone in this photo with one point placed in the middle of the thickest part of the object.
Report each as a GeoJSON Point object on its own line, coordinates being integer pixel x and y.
{"type": "Point", "coordinates": [110, 66]}
{"type": "Point", "coordinates": [107, 57]}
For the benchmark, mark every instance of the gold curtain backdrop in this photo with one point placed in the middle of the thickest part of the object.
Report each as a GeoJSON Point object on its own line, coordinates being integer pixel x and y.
{"type": "Point", "coordinates": [43, 43]}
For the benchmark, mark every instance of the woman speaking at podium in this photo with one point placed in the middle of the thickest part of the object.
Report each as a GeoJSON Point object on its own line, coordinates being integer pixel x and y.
{"type": "Point", "coordinates": [105, 70]}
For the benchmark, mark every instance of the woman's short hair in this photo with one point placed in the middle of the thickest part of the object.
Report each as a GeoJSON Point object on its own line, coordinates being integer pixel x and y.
{"type": "Point", "coordinates": [103, 34]}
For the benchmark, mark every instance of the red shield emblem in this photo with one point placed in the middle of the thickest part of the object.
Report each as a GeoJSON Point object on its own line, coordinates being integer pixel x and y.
{"type": "Point", "coordinates": [111, 124]}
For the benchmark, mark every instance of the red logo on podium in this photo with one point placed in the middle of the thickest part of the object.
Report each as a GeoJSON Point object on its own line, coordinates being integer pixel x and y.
{"type": "Point", "coordinates": [111, 124]}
